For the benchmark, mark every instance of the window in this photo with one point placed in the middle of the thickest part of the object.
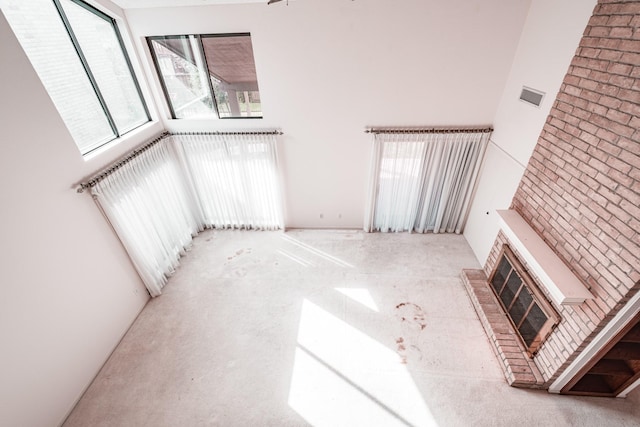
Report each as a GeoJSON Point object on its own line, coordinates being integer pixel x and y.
{"type": "Point", "coordinates": [79, 55]}
{"type": "Point", "coordinates": [423, 179]}
{"type": "Point", "coordinates": [207, 76]}
{"type": "Point", "coordinates": [529, 312]}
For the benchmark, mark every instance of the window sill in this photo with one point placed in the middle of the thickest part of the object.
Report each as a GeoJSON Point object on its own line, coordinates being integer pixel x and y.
{"type": "Point", "coordinates": [563, 286]}
{"type": "Point", "coordinates": [124, 143]}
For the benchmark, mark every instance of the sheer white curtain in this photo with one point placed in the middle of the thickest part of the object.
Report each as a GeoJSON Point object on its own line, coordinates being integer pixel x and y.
{"type": "Point", "coordinates": [147, 203]}
{"type": "Point", "coordinates": [423, 181]}
{"type": "Point", "coordinates": [235, 179]}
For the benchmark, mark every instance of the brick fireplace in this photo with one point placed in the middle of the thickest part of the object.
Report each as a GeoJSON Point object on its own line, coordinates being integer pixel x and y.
{"type": "Point", "coordinates": [580, 193]}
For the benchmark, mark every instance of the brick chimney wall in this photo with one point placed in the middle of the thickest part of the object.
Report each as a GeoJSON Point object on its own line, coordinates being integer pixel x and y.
{"type": "Point", "coordinates": [581, 188]}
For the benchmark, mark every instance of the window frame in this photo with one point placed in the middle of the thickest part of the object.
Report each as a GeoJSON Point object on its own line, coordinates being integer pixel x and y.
{"type": "Point", "coordinates": [528, 284]}
{"type": "Point", "coordinates": [85, 65]}
{"type": "Point", "coordinates": [209, 85]}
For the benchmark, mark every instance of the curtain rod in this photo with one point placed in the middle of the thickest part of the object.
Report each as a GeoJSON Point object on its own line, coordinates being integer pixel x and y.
{"type": "Point", "coordinates": [95, 179]}
{"type": "Point", "coordinates": [258, 132]}
{"type": "Point", "coordinates": [429, 130]}
{"type": "Point", "coordinates": [91, 182]}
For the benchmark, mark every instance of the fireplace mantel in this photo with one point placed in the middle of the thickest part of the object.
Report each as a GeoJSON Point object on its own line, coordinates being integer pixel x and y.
{"type": "Point", "coordinates": [563, 286]}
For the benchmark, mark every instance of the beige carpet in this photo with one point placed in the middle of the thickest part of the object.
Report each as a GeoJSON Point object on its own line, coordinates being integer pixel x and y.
{"type": "Point", "coordinates": [322, 328]}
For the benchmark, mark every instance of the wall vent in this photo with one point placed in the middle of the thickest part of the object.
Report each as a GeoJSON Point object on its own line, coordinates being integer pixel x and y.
{"type": "Point", "coordinates": [531, 96]}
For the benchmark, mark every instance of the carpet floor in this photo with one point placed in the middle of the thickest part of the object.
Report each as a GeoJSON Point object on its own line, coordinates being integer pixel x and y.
{"type": "Point", "coordinates": [321, 328]}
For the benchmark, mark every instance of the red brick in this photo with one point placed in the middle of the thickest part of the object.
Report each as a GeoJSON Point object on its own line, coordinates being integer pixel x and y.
{"type": "Point", "coordinates": [630, 58]}
{"type": "Point", "coordinates": [630, 45]}
{"type": "Point", "coordinates": [588, 127]}
{"type": "Point", "coordinates": [607, 55]}
{"type": "Point", "coordinates": [608, 135]}
{"type": "Point", "coordinates": [623, 279]}
{"type": "Point", "coordinates": [619, 212]}
{"type": "Point", "coordinates": [603, 178]}
{"type": "Point", "coordinates": [629, 95]}
{"type": "Point", "coordinates": [571, 80]}
{"type": "Point", "coordinates": [632, 208]}
{"type": "Point", "coordinates": [611, 149]}
{"type": "Point", "coordinates": [630, 108]}
{"type": "Point", "coordinates": [598, 20]}
{"type": "Point", "coordinates": [621, 69]}
{"type": "Point", "coordinates": [619, 117]}
{"type": "Point", "coordinates": [614, 21]}
{"type": "Point", "coordinates": [563, 106]}
{"type": "Point", "coordinates": [620, 178]}
{"type": "Point", "coordinates": [582, 72]}
{"type": "Point", "coordinates": [599, 32]}
{"type": "Point", "coordinates": [600, 76]}
{"type": "Point", "coordinates": [597, 161]}
{"type": "Point", "coordinates": [605, 89]}
{"type": "Point", "coordinates": [622, 81]}
{"type": "Point", "coordinates": [630, 195]}
{"type": "Point", "coordinates": [598, 109]}
{"type": "Point", "coordinates": [620, 8]}
{"type": "Point", "coordinates": [588, 213]}
{"type": "Point", "coordinates": [572, 90]}
{"type": "Point", "coordinates": [597, 64]}
{"type": "Point", "coordinates": [618, 163]}
{"type": "Point", "coordinates": [589, 52]}
{"type": "Point", "coordinates": [623, 227]}
{"type": "Point", "coordinates": [621, 32]}
{"type": "Point", "coordinates": [619, 262]}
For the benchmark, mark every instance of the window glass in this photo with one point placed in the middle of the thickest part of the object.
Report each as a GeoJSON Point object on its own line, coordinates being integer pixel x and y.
{"type": "Point", "coordinates": [520, 306]}
{"type": "Point", "coordinates": [510, 290]}
{"type": "Point", "coordinates": [101, 47]}
{"type": "Point", "coordinates": [233, 75]}
{"type": "Point", "coordinates": [532, 324]}
{"type": "Point", "coordinates": [503, 270]}
{"type": "Point", "coordinates": [208, 74]}
{"type": "Point", "coordinates": [184, 76]}
{"type": "Point", "coordinates": [46, 40]}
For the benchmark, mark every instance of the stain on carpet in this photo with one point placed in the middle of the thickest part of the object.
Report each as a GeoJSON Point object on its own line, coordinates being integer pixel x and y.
{"type": "Point", "coordinates": [412, 314]}
{"type": "Point", "coordinates": [406, 350]}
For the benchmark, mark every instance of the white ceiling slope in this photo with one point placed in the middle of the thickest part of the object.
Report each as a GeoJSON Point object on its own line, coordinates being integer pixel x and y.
{"type": "Point", "coordinates": [139, 4]}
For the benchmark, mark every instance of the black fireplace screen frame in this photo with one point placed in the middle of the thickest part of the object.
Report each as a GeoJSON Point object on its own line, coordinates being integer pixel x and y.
{"type": "Point", "coordinates": [530, 313]}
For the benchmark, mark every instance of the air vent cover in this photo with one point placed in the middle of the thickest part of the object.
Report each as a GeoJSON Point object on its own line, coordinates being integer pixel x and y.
{"type": "Point", "coordinates": [531, 96]}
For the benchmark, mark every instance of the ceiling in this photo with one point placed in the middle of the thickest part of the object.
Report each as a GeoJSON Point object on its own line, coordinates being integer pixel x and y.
{"type": "Point", "coordinates": [132, 4]}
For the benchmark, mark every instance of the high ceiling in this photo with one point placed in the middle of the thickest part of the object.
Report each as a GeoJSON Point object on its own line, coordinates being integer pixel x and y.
{"type": "Point", "coordinates": [132, 4]}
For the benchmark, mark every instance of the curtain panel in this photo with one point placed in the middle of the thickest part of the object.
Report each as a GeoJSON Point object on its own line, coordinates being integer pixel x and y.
{"type": "Point", "coordinates": [159, 200]}
{"type": "Point", "coordinates": [147, 204]}
{"type": "Point", "coordinates": [423, 182]}
{"type": "Point", "coordinates": [234, 179]}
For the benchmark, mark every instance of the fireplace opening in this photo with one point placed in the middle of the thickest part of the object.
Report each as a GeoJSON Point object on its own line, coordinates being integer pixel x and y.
{"type": "Point", "coordinates": [531, 315]}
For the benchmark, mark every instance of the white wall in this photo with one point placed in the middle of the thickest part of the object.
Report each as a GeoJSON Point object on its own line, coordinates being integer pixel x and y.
{"type": "Point", "coordinates": [68, 291]}
{"type": "Point", "coordinates": [328, 69]}
{"type": "Point", "coordinates": [548, 43]}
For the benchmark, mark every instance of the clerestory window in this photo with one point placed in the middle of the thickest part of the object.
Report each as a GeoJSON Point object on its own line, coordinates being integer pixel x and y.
{"type": "Point", "coordinates": [529, 312]}
{"type": "Point", "coordinates": [208, 75]}
{"type": "Point", "coordinates": [79, 55]}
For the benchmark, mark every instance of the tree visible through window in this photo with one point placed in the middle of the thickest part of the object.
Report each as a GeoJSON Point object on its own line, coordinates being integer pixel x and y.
{"type": "Point", "coordinates": [208, 75]}
{"type": "Point", "coordinates": [78, 53]}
